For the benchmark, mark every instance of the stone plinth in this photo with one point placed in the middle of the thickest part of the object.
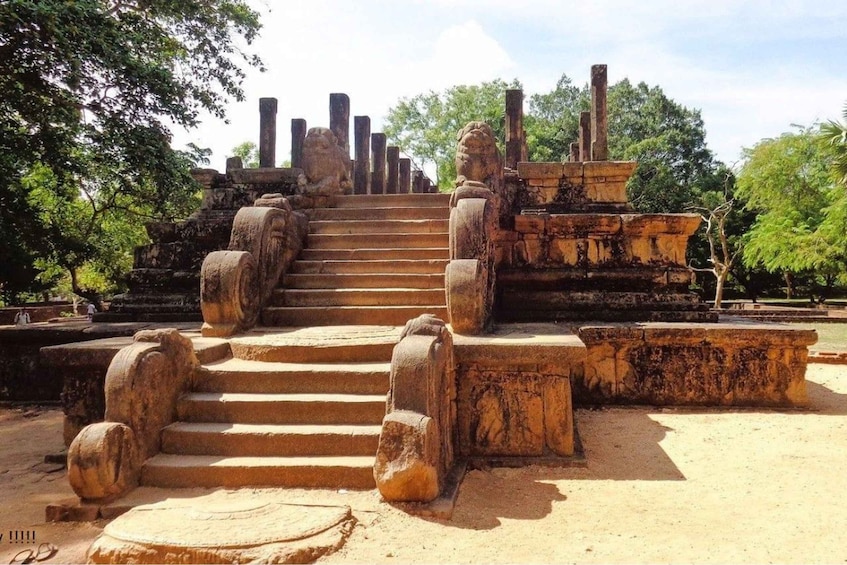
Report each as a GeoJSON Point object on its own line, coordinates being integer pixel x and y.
{"type": "Point", "coordinates": [574, 186]}
{"type": "Point", "coordinates": [721, 364]}
{"type": "Point", "coordinates": [584, 266]}
{"type": "Point", "coordinates": [513, 393]}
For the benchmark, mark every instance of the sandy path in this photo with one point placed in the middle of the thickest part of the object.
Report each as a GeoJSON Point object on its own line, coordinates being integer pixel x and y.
{"type": "Point", "coordinates": [707, 486]}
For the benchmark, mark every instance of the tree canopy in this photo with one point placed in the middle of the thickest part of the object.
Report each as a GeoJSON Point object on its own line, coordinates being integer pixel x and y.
{"type": "Point", "coordinates": [667, 139]}
{"type": "Point", "coordinates": [89, 90]}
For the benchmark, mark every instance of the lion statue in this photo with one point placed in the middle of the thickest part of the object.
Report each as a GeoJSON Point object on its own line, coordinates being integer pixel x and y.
{"type": "Point", "coordinates": [477, 156]}
{"type": "Point", "coordinates": [325, 165]}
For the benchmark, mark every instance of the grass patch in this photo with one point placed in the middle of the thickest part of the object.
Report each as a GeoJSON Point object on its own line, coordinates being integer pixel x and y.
{"type": "Point", "coordinates": [831, 336]}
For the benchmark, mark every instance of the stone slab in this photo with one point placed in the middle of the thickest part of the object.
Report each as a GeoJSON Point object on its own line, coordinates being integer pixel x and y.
{"type": "Point", "coordinates": [223, 527]}
{"type": "Point", "coordinates": [538, 344]}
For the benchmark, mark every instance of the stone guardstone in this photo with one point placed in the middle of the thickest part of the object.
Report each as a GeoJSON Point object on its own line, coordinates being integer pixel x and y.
{"type": "Point", "coordinates": [231, 528]}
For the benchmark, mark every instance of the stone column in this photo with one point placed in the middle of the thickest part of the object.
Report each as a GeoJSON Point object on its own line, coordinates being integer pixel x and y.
{"type": "Point", "coordinates": [585, 136]}
{"type": "Point", "coordinates": [404, 176]}
{"type": "Point", "coordinates": [339, 119]}
{"type": "Point", "coordinates": [599, 135]}
{"type": "Point", "coordinates": [417, 182]}
{"type": "Point", "coordinates": [574, 154]}
{"type": "Point", "coordinates": [378, 177]}
{"type": "Point", "coordinates": [298, 135]}
{"type": "Point", "coordinates": [362, 173]}
{"type": "Point", "coordinates": [233, 163]}
{"type": "Point", "coordinates": [393, 170]}
{"type": "Point", "coordinates": [427, 185]}
{"type": "Point", "coordinates": [514, 127]}
{"type": "Point", "coordinates": [267, 132]}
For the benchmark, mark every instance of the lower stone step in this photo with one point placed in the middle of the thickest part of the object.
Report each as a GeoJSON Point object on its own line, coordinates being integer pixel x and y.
{"type": "Point", "coordinates": [357, 297]}
{"type": "Point", "coordinates": [255, 440]}
{"type": "Point", "coordinates": [318, 344]}
{"type": "Point", "coordinates": [374, 280]}
{"type": "Point", "coordinates": [348, 315]}
{"type": "Point", "coordinates": [185, 471]}
{"type": "Point", "coordinates": [248, 408]}
{"type": "Point", "coordinates": [239, 375]}
{"type": "Point", "coordinates": [368, 253]}
{"type": "Point", "coordinates": [374, 266]}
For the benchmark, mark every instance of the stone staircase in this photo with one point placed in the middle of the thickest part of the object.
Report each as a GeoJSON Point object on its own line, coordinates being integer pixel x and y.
{"type": "Point", "coordinates": [300, 402]}
{"type": "Point", "coordinates": [372, 259]}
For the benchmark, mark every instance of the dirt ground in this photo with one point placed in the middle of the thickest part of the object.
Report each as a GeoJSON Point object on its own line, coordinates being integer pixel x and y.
{"type": "Point", "coordinates": [660, 486]}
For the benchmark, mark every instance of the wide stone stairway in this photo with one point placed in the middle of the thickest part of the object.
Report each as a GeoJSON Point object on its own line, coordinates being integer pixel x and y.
{"type": "Point", "coordinates": [300, 401]}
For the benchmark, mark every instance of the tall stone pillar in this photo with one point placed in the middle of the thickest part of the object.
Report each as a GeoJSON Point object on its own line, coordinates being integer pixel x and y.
{"type": "Point", "coordinates": [514, 127]}
{"type": "Point", "coordinates": [585, 136]}
{"type": "Point", "coordinates": [393, 170]}
{"type": "Point", "coordinates": [378, 151]}
{"type": "Point", "coordinates": [298, 135]}
{"type": "Point", "coordinates": [339, 119]}
{"type": "Point", "coordinates": [417, 182]}
{"type": "Point", "coordinates": [362, 172]}
{"type": "Point", "coordinates": [404, 176]}
{"type": "Point", "coordinates": [267, 132]}
{"type": "Point", "coordinates": [599, 131]}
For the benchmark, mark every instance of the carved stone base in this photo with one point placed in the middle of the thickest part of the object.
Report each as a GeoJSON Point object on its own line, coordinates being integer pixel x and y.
{"type": "Point", "coordinates": [725, 364]}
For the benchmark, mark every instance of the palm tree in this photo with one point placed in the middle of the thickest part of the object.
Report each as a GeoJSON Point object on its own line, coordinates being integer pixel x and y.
{"type": "Point", "coordinates": [835, 133]}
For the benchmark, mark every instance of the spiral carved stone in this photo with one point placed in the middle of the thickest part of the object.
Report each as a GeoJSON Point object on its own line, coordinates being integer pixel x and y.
{"type": "Point", "coordinates": [103, 461]}
{"type": "Point", "coordinates": [229, 294]}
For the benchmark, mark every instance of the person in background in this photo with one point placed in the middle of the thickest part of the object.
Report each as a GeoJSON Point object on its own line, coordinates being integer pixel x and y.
{"type": "Point", "coordinates": [22, 318]}
{"type": "Point", "coordinates": [91, 310]}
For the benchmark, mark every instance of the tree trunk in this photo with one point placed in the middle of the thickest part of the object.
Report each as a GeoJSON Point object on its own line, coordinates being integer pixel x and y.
{"type": "Point", "coordinates": [789, 290]}
{"type": "Point", "coordinates": [91, 295]}
{"type": "Point", "coordinates": [721, 279]}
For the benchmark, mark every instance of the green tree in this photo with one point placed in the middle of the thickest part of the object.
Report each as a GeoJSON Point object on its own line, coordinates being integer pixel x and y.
{"type": "Point", "coordinates": [425, 126]}
{"type": "Point", "coordinates": [88, 88]}
{"type": "Point", "coordinates": [249, 154]}
{"type": "Point", "coordinates": [800, 226]}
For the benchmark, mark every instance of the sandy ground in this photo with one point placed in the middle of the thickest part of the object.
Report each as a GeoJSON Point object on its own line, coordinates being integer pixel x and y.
{"type": "Point", "coordinates": [660, 486]}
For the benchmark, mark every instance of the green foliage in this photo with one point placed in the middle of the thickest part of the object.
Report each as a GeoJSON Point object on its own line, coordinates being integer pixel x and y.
{"type": "Point", "coordinates": [666, 138]}
{"type": "Point", "coordinates": [249, 153]}
{"type": "Point", "coordinates": [801, 223]}
{"type": "Point", "coordinates": [88, 88]}
{"type": "Point", "coordinates": [425, 126]}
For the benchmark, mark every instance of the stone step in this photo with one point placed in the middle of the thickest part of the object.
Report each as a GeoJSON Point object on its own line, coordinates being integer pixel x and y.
{"type": "Point", "coordinates": [393, 200]}
{"type": "Point", "coordinates": [377, 240]}
{"type": "Point", "coordinates": [376, 254]}
{"type": "Point", "coordinates": [318, 344]}
{"type": "Point", "coordinates": [185, 471]}
{"type": "Point", "coordinates": [358, 297]}
{"type": "Point", "coordinates": [376, 266]}
{"type": "Point", "coordinates": [242, 376]}
{"type": "Point", "coordinates": [600, 314]}
{"type": "Point", "coordinates": [521, 300]}
{"type": "Point", "coordinates": [378, 226]}
{"type": "Point", "coordinates": [249, 408]}
{"type": "Point", "coordinates": [358, 280]}
{"type": "Point", "coordinates": [347, 315]}
{"type": "Point", "coordinates": [389, 213]}
{"type": "Point", "coordinates": [265, 440]}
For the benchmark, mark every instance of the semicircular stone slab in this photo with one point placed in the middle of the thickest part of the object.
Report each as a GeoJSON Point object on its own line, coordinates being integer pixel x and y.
{"type": "Point", "coordinates": [222, 530]}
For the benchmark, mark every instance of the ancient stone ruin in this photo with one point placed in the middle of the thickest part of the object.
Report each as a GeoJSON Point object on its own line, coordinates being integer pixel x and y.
{"type": "Point", "coordinates": [482, 316]}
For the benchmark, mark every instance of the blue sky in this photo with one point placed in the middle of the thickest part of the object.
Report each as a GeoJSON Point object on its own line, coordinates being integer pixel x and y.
{"type": "Point", "coordinates": [753, 67]}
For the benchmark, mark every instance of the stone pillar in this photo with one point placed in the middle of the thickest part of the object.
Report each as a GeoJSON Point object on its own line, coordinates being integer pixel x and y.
{"type": "Point", "coordinates": [404, 176]}
{"type": "Point", "coordinates": [378, 177]}
{"type": "Point", "coordinates": [267, 132]}
{"type": "Point", "coordinates": [599, 135]}
{"type": "Point", "coordinates": [574, 154]}
{"type": "Point", "coordinates": [585, 136]}
{"type": "Point", "coordinates": [514, 127]}
{"type": "Point", "coordinates": [339, 119]}
{"type": "Point", "coordinates": [427, 185]}
{"type": "Point", "coordinates": [362, 172]}
{"type": "Point", "coordinates": [298, 134]}
{"type": "Point", "coordinates": [393, 170]}
{"type": "Point", "coordinates": [233, 163]}
{"type": "Point", "coordinates": [417, 182]}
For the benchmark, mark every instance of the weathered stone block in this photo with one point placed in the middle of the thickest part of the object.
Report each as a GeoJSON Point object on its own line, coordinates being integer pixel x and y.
{"type": "Point", "coordinates": [531, 171]}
